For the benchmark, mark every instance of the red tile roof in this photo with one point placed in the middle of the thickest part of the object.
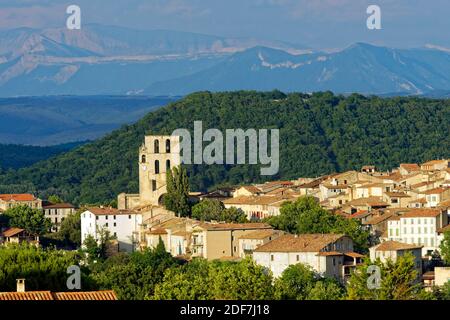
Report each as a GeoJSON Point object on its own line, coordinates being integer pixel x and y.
{"type": "Point", "coordinates": [47, 295]}
{"type": "Point", "coordinates": [17, 197]}
{"type": "Point", "coordinates": [413, 213]}
{"type": "Point", "coordinates": [92, 295]}
{"type": "Point", "coordinates": [395, 245]}
{"type": "Point", "coordinates": [299, 243]}
{"type": "Point", "coordinates": [31, 295]}
{"type": "Point", "coordinates": [12, 232]}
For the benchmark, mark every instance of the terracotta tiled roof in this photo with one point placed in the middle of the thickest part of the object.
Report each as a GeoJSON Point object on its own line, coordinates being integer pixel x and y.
{"type": "Point", "coordinates": [354, 254]}
{"type": "Point", "coordinates": [421, 200]}
{"type": "Point", "coordinates": [422, 213]}
{"type": "Point", "coordinates": [158, 231]}
{"type": "Point", "coordinates": [397, 195]}
{"type": "Point", "coordinates": [47, 295]}
{"type": "Point", "coordinates": [234, 226]}
{"type": "Point", "coordinates": [371, 201]}
{"type": "Point", "coordinates": [30, 295]}
{"type": "Point", "coordinates": [433, 162]}
{"type": "Point", "coordinates": [17, 197]}
{"type": "Point", "coordinates": [93, 295]}
{"type": "Point", "coordinates": [12, 232]}
{"type": "Point", "coordinates": [260, 234]}
{"type": "Point", "coordinates": [252, 189]}
{"type": "Point", "coordinates": [330, 253]}
{"type": "Point", "coordinates": [300, 243]}
{"type": "Point", "coordinates": [410, 167]}
{"type": "Point", "coordinates": [378, 219]}
{"type": "Point", "coordinates": [445, 203]}
{"type": "Point", "coordinates": [435, 191]}
{"type": "Point", "coordinates": [58, 206]}
{"type": "Point", "coordinates": [395, 245]}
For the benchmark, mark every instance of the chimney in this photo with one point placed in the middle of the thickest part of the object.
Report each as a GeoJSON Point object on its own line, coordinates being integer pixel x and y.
{"type": "Point", "coordinates": [20, 285]}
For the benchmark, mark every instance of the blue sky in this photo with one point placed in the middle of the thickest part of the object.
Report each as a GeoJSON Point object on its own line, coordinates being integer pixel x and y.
{"type": "Point", "coordinates": [315, 23]}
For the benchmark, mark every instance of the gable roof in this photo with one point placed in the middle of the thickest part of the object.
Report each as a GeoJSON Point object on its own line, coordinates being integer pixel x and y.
{"type": "Point", "coordinates": [17, 197]}
{"type": "Point", "coordinates": [47, 295]}
{"type": "Point", "coordinates": [299, 243]}
{"type": "Point", "coordinates": [395, 245]}
{"type": "Point", "coordinates": [12, 232]}
{"type": "Point", "coordinates": [423, 213]}
{"type": "Point", "coordinates": [109, 211]}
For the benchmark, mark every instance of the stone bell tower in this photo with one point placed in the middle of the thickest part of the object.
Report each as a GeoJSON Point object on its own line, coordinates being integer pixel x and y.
{"type": "Point", "coordinates": [157, 155]}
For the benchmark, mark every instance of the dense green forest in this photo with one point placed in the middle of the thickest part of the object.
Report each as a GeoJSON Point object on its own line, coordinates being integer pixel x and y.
{"type": "Point", "coordinates": [319, 133]}
{"type": "Point", "coordinates": [13, 156]}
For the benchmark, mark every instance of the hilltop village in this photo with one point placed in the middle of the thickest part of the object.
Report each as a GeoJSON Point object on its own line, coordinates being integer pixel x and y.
{"type": "Point", "coordinates": [404, 210]}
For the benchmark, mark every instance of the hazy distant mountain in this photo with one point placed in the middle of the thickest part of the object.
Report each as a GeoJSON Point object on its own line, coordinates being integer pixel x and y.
{"type": "Point", "coordinates": [55, 120]}
{"type": "Point", "coordinates": [107, 60]}
{"type": "Point", "coordinates": [103, 60]}
{"type": "Point", "coordinates": [360, 68]}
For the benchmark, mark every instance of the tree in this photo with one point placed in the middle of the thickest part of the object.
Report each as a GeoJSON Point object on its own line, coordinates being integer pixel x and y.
{"type": "Point", "coordinates": [177, 197]}
{"type": "Point", "coordinates": [204, 280]}
{"type": "Point", "coordinates": [305, 215]}
{"type": "Point", "coordinates": [55, 199]}
{"type": "Point", "coordinates": [399, 280]}
{"type": "Point", "coordinates": [209, 210]}
{"type": "Point", "coordinates": [295, 282]}
{"type": "Point", "coordinates": [32, 220]}
{"type": "Point", "coordinates": [42, 269]}
{"type": "Point", "coordinates": [97, 249]}
{"type": "Point", "coordinates": [327, 289]}
{"type": "Point", "coordinates": [445, 248]}
{"type": "Point", "coordinates": [70, 231]}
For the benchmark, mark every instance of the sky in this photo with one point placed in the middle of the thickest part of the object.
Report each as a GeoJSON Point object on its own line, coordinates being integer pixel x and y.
{"type": "Point", "coordinates": [322, 24]}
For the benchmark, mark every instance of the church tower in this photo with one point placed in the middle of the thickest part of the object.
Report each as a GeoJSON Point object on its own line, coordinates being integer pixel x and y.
{"type": "Point", "coordinates": [157, 155]}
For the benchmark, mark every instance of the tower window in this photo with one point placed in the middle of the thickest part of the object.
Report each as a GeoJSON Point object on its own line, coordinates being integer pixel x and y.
{"type": "Point", "coordinates": [167, 165]}
{"type": "Point", "coordinates": [143, 159]}
{"type": "Point", "coordinates": [167, 146]}
{"type": "Point", "coordinates": [153, 185]}
{"type": "Point", "coordinates": [157, 166]}
{"type": "Point", "coordinates": [156, 146]}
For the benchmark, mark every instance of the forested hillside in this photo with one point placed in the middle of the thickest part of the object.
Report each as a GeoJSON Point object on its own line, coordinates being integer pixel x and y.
{"type": "Point", "coordinates": [14, 156]}
{"type": "Point", "coordinates": [319, 134]}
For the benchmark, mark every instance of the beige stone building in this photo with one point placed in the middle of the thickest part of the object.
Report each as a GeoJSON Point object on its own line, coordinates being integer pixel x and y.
{"type": "Point", "coordinates": [220, 240]}
{"type": "Point", "coordinates": [57, 212]}
{"type": "Point", "coordinates": [250, 241]}
{"type": "Point", "coordinates": [8, 201]}
{"type": "Point", "coordinates": [157, 155]}
{"type": "Point", "coordinates": [330, 255]}
{"type": "Point", "coordinates": [394, 249]}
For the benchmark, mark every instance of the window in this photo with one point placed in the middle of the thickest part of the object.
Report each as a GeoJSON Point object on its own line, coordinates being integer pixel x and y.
{"type": "Point", "coordinates": [114, 217]}
{"type": "Point", "coordinates": [56, 220]}
{"type": "Point", "coordinates": [334, 261]}
{"type": "Point", "coordinates": [396, 232]}
{"type": "Point", "coordinates": [432, 242]}
{"type": "Point", "coordinates": [271, 257]}
{"type": "Point", "coordinates": [96, 218]}
{"type": "Point", "coordinates": [115, 224]}
{"type": "Point", "coordinates": [106, 217]}
{"type": "Point", "coordinates": [129, 216]}
{"type": "Point", "coordinates": [167, 146]}
{"type": "Point", "coordinates": [153, 185]}
{"type": "Point", "coordinates": [156, 166]}
{"type": "Point", "coordinates": [143, 158]}
{"type": "Point", "coordinates": [106, 224]}
{"type": "Point", "coordinates": [115, 234]}
{"type": "Point", "coordinates": [156, 146]}
{"type": "Point", "coordinates": [167, 165]}
{"type": "Point", "coordinates": [298, 258]}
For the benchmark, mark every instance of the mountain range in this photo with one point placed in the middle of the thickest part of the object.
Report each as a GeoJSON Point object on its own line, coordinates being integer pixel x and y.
{"type": "Point", "coordinates": [106, 60]}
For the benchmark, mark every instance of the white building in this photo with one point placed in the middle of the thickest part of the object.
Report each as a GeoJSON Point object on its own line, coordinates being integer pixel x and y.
{"type": "Point", "coordinates": [330, 255]}
{"type": "Point", "coordinates": [122, 224]}
{"type": "Point", "coordinates": [391, 250]}
{"type": "Point", "coordinates": [57, 212]}
{"type": "Point", "coordinates": [418, 227]}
